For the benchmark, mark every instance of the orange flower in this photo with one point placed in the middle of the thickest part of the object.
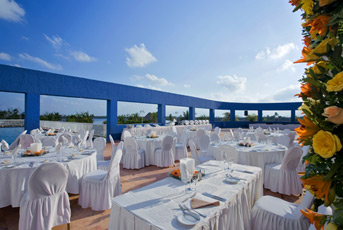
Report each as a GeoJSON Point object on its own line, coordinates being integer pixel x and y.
{"type": "Point", "coordinates": [294, 2]}
{"type": "Point", "coordinates": [307, 41]}
{"type": "Point", "coordinates": [317, 185]}
{"type": "Point", "coordinates": [314, 218]}
{"type": "Point", "coordinates": [306, 90]}
{"type": "Point", "coordinates": [325, 2]}
{"type": "Point", "coordinates": [306, 130]}
{"type": "Point", "coordinates": [308, 56]}
{"type": "Point", "coordinates": [318, 25]}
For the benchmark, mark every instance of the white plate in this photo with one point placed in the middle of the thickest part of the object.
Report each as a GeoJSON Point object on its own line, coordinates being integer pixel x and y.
{"type": "Point", "coordinates": [187, 219]}
{"type": "Point", "coordinates": [232, 180]}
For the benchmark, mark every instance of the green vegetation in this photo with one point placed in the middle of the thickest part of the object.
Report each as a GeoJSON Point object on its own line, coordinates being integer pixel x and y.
{"type": "Point", "coordinates": [51, 117]}
{"type": "Point", "coordinates": [135, 118]}
{"type": "Point", "coordinates": [84, 117]}
{"type": "Point", "coordinates": [202, 117]}
{"type": "Point", "coordinates": [11, 114]}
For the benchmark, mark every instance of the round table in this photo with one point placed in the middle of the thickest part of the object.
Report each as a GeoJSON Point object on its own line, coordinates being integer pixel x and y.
{"type": "Point", "coordinates": [257, 155]}
{"type": "Point", "coordinates": [14, 179]}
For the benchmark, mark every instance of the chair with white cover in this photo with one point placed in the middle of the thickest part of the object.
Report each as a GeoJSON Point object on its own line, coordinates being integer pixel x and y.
{"type": "Point", "coordinates": [196, 140]}
{"type": "Point", "coordinates": [260, 136]}
{"type": "Point", "coordinates": [126, 134]}
{"type": "Point", "coordinates": [133, 158]}
{"type": "Point", "coordinates": [291, 138]}
{"type": "Point", "coordinates": [103, 165]}
{"type": "Point", "coordinates": [17, 140]}
{"type": "Point", "coordinates": [164, 156]}
{"type": "Point", "coordinates": [226, 152]}
{"type": "Point", "coordinates": [237, 135]}
{"type": "Point", "coordinates": [147, 126]}
{"type": "Point", "coordinates": [181, 148]}
{"type": "Point", "coordinates": [82, 133]}
{"type": "Point", "coordinates": [215, 137]}
{"type": "Point", "coordinates": [204, 142]}
{"type": "Point", "coordinates": [99, 145]}
{"type": "Point", "coordinates": [270, 212]}
{"type": "Point", "coordinates": [283, 178]}
{"type": "Point", "coordinates": [46, 204]}
{"type": "Point", "coordinates": [26, 140]}
{"type": "Point", "coordinates": [61, 130]}
{"type": "Point", "coordinates": [67, 136]}
{"type": "Point", "coordinates": [139, 126]}
{"type": "Point", "coordinates": [283, 140]}
{"type": "Point", "coordinates": [49, 141]}
{"type": "Point", "coordinates": [301, 166]}
{"type": "Point", "coordinates": [217, 130]}
{"type": "Point", "coordinates": [198, 159]}
{"type": "Point", "coordinates": [90, 139]}
{"type": "Point", "coordinates": [112, 141]}
{"type": "Point", "coordinates": [100, 186]}
{"type": "Point", "coordinates": [286, 131]}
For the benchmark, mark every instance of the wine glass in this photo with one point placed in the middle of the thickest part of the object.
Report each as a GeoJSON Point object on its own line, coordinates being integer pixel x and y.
{"type": "Point", "coordinates": [186, 177]}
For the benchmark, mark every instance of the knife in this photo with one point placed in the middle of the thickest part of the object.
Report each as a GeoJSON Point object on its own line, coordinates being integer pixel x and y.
{"type": "Point", "coordinates": [214, 197]}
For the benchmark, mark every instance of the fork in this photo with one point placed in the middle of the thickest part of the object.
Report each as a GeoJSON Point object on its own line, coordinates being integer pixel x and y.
{"type": "Point", "coordinates": [188, 213]}
{"type": "Point", "coordinates": [193, 210]}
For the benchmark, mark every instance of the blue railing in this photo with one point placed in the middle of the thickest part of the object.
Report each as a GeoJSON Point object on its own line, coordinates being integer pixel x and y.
{"type": "Point", "coordinates": [34, 83]}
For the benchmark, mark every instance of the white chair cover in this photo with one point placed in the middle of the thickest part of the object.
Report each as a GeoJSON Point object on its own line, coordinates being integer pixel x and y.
{"type": "Point", "coordinates": [90, 139]}
{"type": "Point", "coordinates": [49, 141]}
{"type": "Point", "coordinates": [286, 131]}
{"type": "Point", "coordinates": [217, 130]}
{"type": "Point", "coordinates": [194, 154]}
{"type": "Point", "coordinates": [283, 178]}
{"type": "Point", "coordinates": [126, 134]}
{"type": "Point", "coordinates": [283, 140]}
{"type": "Point", "coordinates": [165, 157]}
{"type": "Point", "coordinates": [237, 135]}
{"type": "Point", "coordinates": [61, 130]}
{"type": "Point", "coordinates": [17, 140]}
{"type": "Point", "coordinates": [67, 136]}
{"type": "Point", "coordinates": [4, 145]}
{"type": "Point", "coordinates": [291, 138]}
{"type": "Point", "coordinates": [204, 141]}
{"type": "Point", "coordinates": [147, 126]}
{"type": "Point", "coordinates": [84, 139]}
{"type": "Point", "coordinates": [46, 204]}
{"type": "Point", "coordinates": [227, 152]}
{"type": "Point", "coordinates": [112, 141]}
{"type": "Point", "coordinates": [273, 213]}
{"type": "Point", "coordinates": [181, 148]}
{"type": "Point", "coordinates": [82, 133]}
{"type": "Point", "coordinates": [26, 140]}
{"type": "Point", "coordinates": [301, 166]}
{"type": "Point", "coordinates": [99, 187]}
{"type": "Point", "coordinates": [134, 157]}
{"type": "Point", "coordinates": [215, 137]}
{"type": "Point", "coordinates": [100, 145]}
{"type": "Point", "coordinates": [103, 165]}
{"type": "Point", "coordinates": [196, 140]}
{"type": "Point", "coordinates": [139, 126]}
{"type": "Point", "coordinates": [260, 135]}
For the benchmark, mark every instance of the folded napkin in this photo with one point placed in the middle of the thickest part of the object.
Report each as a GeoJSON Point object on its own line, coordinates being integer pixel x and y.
{"type": "Point", "coordinates": [187, 168]}
{"type": "Point", "coordinates": [5, 145]}
{"type": "Point", "coordinates": [198, 203]}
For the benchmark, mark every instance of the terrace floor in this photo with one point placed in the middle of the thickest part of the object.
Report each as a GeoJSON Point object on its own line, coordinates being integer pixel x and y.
{"type": "Point", "coordinates": [95, 220]}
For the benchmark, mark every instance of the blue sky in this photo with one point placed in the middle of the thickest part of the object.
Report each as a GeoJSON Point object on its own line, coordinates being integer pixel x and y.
{"type": "Point", "coordinates": [239, 51]}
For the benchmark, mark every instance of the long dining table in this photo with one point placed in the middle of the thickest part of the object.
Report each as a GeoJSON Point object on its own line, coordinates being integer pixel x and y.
{"type": "Point", "coordinates": [156, 206]}
{"type": "Point", "coordinates": [14, 177]}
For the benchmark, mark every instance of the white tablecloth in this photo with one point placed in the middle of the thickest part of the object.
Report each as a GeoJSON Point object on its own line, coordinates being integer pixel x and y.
{"type": "Point", "coordinates": [14, 180]}
{"type": "Point", "coordinates": [149, 145]}
{"type": "Point", "coordinates": [161, 130]}
{"type": "Point", "coordinates": [156, 205]}
{"type": "Point", "coordinates": [257, 155]}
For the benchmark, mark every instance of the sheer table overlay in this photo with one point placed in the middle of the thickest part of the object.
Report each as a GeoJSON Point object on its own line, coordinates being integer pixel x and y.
{"type": "Point", "coordinates": [156, 206]}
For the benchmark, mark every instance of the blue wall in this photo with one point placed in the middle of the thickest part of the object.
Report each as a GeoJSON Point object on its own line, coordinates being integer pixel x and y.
{"type": "Point", "coordinates": [34, 83]}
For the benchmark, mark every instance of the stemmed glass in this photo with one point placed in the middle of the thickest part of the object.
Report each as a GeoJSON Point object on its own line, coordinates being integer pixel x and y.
{"type": "Point", "coordinates": [186, 178]}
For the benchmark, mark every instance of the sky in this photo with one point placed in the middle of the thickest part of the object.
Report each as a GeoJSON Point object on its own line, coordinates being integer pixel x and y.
{"type": "Point", "coordinates": [233, 51]}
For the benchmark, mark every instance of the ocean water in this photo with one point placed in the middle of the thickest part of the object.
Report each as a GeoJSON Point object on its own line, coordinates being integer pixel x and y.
{"type": "Point", "coordinates": [99, 121]}
{"type": "Point", "coordinates": [10, 134]}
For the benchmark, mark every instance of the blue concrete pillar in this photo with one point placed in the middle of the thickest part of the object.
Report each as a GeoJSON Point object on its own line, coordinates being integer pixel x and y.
{"type": "Point", "coordinates": [232, 115]}
{"type": "Point", "coordinates": [32, 110]}
{"type": "Point", "coordinates": [212, 116]}
{"type": "Point", "coordinates": [191, 113]}
{"type": "Point", "coordinates": [112, 120]}
{"type": "Point", "coordinates": [260, 116]}
{"type": "Point", "coordinates": [161, 114]}
{"type": "Point", "coordinates": [293, 116]}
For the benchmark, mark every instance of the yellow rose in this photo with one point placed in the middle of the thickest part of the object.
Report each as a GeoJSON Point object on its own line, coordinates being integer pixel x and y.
{"type": "Point", "coordinates": [334, 114]}
{"type": "Point", "coordinates": [322, 64]}
{"type": "Point", "coordinates": [331, 226]}
{"type": "Point", "coordinates": [326, 144]}
{"type": "Point", "coordinates": [336, 83]}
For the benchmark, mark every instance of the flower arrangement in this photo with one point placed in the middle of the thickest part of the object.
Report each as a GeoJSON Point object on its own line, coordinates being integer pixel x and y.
{"type": "Point", "coordinates": [245, 144]}
{"type": "Point", "coordinates": [176, 173]}
{"type": "Point", "coordinates": [322, 94]}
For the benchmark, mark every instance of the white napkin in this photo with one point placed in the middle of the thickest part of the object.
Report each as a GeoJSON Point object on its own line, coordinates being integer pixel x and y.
{"type": "Point", "coordinates": [5, 145]}
{"type": "Point", "coordinates": [187, 168]}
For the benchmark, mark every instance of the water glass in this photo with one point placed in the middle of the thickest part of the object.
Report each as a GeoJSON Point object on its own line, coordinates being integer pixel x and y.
{"type": "Point", "coordinates": [14, 158]}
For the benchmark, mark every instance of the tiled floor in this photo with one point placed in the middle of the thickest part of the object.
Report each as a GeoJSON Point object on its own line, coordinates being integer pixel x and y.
{"type": "Point", "coordinates": [94, 220]}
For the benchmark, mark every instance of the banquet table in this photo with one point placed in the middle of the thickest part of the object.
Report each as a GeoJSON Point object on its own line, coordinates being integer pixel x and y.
{"type": "Point", "coordinates": [156, 206]}
{"type": "Point", "coordinates": [14, 179]}
{"type": "Point", "coordinates": [149, 145]}
{"type": "Point", "coordinates": [258, 155]}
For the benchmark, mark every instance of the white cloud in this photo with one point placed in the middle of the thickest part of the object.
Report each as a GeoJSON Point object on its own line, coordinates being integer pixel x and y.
{"type": "Point", "coordinates": [24, 38]}
{"type": "Point", "coordinates": [11, 11]}
{"type": "Point", "coordinates": [139, 56]}
{"type": "Point", "coordinates": [149, 87]}
{"type": "Point", "coordinates": [16, 65]}
{"type": "Point", "coordinates": [229, 97]}
{"type": "Point", "coordinates": [5, 57]}
{"type": "Point", "coordinates": [40, 61]}
{"type": "Point", "coordinates": [152, 80]}
{"type": "Point", "coordinates": [82, 57]}
{"type": "Point", "coordinates": [61, 56]}
{"type": "Point", "coordinates": [187, 85]}
{"type": "Point", "coordinates": [276, 53]}
{"type": "Point", "coordinates": [55, 41]}
{"type": "Point", "coordinates": [285, 94]}
{"type": "Point", "coordinates": [287, 65]}
{"type": "Point", "coordinates": [232, 83]}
